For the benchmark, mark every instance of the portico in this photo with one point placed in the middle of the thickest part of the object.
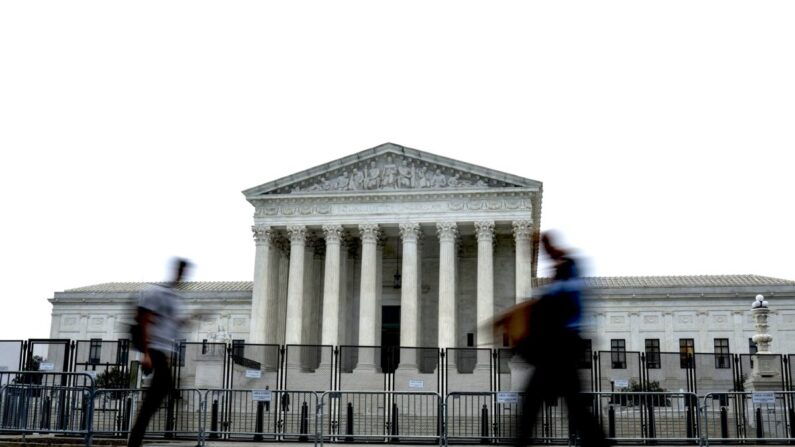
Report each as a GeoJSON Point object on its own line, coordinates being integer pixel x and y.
{"type": "Point", "coordinates": [448, 242]}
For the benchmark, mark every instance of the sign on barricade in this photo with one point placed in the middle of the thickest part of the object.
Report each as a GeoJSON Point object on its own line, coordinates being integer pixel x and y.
{"type": "Point", "coordinates": [261, 395]}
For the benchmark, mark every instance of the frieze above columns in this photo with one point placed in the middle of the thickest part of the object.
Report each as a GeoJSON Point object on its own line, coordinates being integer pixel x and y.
{"type": "Point", "coordinates": [396, 208]}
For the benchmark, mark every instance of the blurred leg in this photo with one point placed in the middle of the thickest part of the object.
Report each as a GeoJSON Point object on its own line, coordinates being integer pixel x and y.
{"type": "Point", "coordinates": [537, 387]}
{"type": "Point", "coordinates": [161, 386]}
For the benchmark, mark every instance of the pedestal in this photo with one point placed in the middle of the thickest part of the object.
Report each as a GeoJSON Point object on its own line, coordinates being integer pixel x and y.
{"type": "Point", "coordinates": [765, 374]}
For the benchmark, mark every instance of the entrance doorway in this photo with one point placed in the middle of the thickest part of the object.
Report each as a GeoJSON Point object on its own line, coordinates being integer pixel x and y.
{"type": "Point", "coordinates": [390, 338]}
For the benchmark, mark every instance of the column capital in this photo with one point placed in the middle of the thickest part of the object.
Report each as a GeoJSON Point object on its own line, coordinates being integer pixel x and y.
{"type": "Point", "coordinates": [447, 231]}
{"type": "Point", "coordinates": [369, 232]}
{"type": "Point", "coordinates": [484, 230]}
{"type": "Point", "coordinates": [297, 233]}
{"type": "Point", "coordinates": [263, 234]}
{"type": "Point", "coordinates": [332, 233]}
{"type": "Point", "coordinates": [410, 231]}
{"type": "Point", "coordinates": [522, 230]}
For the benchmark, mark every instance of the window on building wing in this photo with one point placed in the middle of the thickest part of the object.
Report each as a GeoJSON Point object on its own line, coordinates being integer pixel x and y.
{"type": "Point", "coordinates": [687, 352]}
{"type": "Point", "coordinates": [653, 353]}
{"type": "Point", "coordinates": [618, 353]}
{"type": "Point", "coordinates": [722, 356]}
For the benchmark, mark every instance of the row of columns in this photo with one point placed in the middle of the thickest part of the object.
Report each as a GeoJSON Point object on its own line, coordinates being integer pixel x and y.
{"type": "Point", "coordinates": [369, 307]}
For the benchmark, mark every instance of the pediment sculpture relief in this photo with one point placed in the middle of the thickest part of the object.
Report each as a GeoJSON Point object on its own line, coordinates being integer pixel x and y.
{"type": "Point", "coordinates": [392, 173]}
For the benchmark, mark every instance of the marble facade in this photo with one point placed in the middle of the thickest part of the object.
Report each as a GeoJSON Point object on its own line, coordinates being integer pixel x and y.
{"type": "Point", "coordinates": [355, 221]}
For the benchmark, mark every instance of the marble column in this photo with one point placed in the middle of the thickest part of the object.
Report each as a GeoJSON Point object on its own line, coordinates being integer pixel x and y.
{"type": "Point", "coordinates": [367, 290]}
{"type": "Point", "coordinates": [522, 233]}
{"type": "Point", "coordinates": [379, 288]}
{"type": "Point", "coordinates": [409, 297]}
{"type": "Point", "coordinates": [331, 286]}
{"type": "Point", "coordinates": [484, 231]}
{"type": "Point", "coordinates": [295, 285]}
{"type": "Point", "coordinates": [447, 232]}
{"type": "Point", "coordinates": [309, 292]}
{"type": "Point", "coordinates": [260, 295]}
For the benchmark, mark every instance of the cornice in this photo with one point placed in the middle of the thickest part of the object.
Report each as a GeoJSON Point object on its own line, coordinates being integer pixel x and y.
{"type": "Point", "coordinates": [395, 196]}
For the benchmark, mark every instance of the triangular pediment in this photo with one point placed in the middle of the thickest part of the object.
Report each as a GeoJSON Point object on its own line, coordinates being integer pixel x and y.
{"type": "Point", "coordinates": [390, 167]}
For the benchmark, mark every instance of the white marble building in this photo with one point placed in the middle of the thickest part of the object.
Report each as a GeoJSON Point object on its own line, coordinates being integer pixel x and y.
{"type": "Point", "coordinates": [396, 246]}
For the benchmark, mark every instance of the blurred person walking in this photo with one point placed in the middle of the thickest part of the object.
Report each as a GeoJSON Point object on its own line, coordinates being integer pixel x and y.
{"type": "Point", "coordinates": [159, 321]}
{"type": "Point", "coordinates": [549, 339]}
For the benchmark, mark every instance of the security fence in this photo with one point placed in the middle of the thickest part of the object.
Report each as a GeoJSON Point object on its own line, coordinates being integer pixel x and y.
{"type": "Point", "coordinates": [69, 404]}
{"type": "Point", "coordinates": [381, 416]}
{"type": "Point", "coordinates": [739, 416]}
{"type": "Point", "coordinates": [239, 365]}
{"type": "Point", "coordinates": [47, 402]}
{"type": "Point", "coordinates": [240, 391]}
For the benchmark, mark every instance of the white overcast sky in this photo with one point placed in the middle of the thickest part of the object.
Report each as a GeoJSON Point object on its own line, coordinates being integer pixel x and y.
{"type": "Point", "coordinates": [663, 131]}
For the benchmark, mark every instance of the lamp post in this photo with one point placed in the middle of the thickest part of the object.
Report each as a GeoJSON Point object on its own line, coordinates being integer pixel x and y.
{"type": "Point", "coordinates": [766, 369]}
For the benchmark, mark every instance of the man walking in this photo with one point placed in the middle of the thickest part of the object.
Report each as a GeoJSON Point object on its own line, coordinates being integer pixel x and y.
{"type": "Point", "coordinates": [158, 316]}
{"type": "Point", "coordinates": [552, 344]}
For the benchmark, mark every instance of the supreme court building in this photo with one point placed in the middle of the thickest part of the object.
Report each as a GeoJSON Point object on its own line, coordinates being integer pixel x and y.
{"type": "Point", "coordinates": [394, 246]}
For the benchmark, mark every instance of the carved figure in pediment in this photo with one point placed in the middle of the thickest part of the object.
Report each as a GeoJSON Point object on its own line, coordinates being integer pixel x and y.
{"type": "Point", "coordinates": [372, 178]}
{"type": "Point", "coordinates": [341, 183]}
{"type": "Point", "coordinates": [480, 182]}
{"type": "Point", "coordinates": [423, 177]}
{"type": "Point", "coordinates": [319, 186]}
{"type": "Point", "coordinates": [389, 176]}
{"type": "Point", "coordinates": [438, 180]}
{"type": "Point", "coordinates": [356, 181]}
{"type": "Point", "coordinates": [453, 181]}
{"type": "Point", "coordinates": [405, 175]}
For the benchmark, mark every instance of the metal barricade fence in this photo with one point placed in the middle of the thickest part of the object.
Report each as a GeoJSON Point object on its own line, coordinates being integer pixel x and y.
{"type": "Point", "coordinates": [180, 415]}
{"type": "Point", "coordinates": [260, 415]}
{"type": "Point", "coordinates": [378, 416]}
{"type": "Point", "coordinates": [490, 417]}
{"type": "Point", "coordinates": [755, 416]}
{"type": "Point", "coordinates": [47, 402]}
{"type": "Point", "coordinates": [642, 416]}
{"type": "Point", "coordinates": [480, 416]}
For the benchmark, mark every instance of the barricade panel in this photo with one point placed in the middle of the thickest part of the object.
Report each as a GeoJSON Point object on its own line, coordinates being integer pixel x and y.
{"type": "Point", "coordinates": [417, 370]}
{"type": "Point", "coordinates": [377, 416]}
{"type": "Point", "coordinates": [260, 414]}
{"type": "Point", "coordinates": [254, 367]}
{"type": "Point", "coordinates": [619, 370]}
{"type": "Point", "coordinates": [108, 360]}
{"type": "Point", "coordinates": [200, 365]}
{"type": "Point", "coordinates": [714, 373]}
{"type": "Point", "coordinates": [46, 402]}
{"type": "Point", "coordinates": [10, 356]}
{"type": "Point", "coordinates": [469, 369]}
{"type": "Point", "coordinates": [513, 371]}
{"type": "Point", "coordinates": [308, 367]}
{"type": "Point", "coordinates": [179, 416]}
{"type": "Point", "coordinates": [772, 364]}
{"type": "Point", "coordinates": [636, 416]}
{"type": "Point", "coordinates": [757, 416]}
{"type": "Point", "coordinates": [51, 355]}
{"type": "Point", "coordinates": [669, 371]}
{"type": "Point", "coordinates": [361, 369]}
